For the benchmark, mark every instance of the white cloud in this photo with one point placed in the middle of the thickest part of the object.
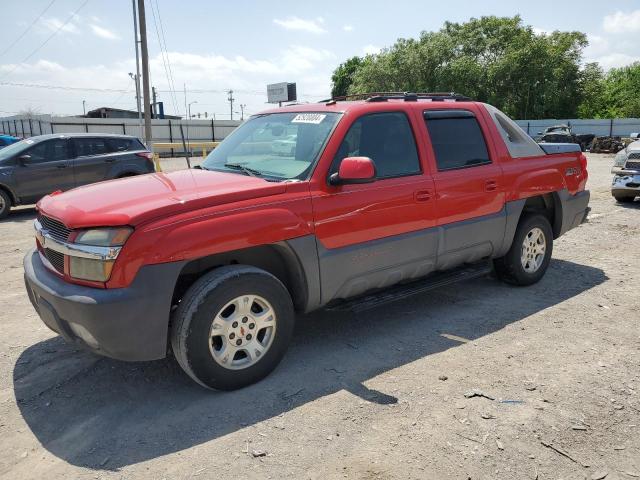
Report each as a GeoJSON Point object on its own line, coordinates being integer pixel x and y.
{"type": "Point", "coordinates": [622, 22]}
{"type": "Point", "coordinates": [608, 53]}
{"type": "Point", "coordinates": [540, 31]}
{"type": "Point", "coordinates": [371, 50]}
{"type": "Point", "coordinates": [54, 24]}
{"type": "Point", "coordinates": [347, 28]}
{"type": "Point", "coordinates": [103, 32]}
{"type": "Point", "coordinates": [309, 67]}
{"type": "Point", "coordinates": [296, 23]}
{"type": "Point", "coordinates": [615, 60]}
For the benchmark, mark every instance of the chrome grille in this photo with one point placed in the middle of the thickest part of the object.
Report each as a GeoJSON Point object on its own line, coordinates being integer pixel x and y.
{"type": "Point", "coordinates": [55, 258]}
{"type": "Point", "coordinates": [632, 165]}
{"type": "Point", "coordinates": [634, 156]}
{"type": "Point", "coordinates": [57, 229]}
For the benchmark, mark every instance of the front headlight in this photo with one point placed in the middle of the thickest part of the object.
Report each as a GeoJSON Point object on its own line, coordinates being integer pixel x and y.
{"type": "Point", "coordinates": [104, 237]}
{"type": "Point", "coordinates": [107, 242]}
{"type": "Point", "coordinates": [621, 158]}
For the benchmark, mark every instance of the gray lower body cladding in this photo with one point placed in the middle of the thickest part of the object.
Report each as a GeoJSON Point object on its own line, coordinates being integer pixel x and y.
{"type": "Point", "coordinates": [125, 323]}
{"type": "Point", "coordinates": [356, 269]}
{"type": "Point", "coordinates": [574, 209]}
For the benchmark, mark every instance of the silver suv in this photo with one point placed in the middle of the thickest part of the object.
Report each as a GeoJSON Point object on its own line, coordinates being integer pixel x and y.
{"type": "Point", "coordinates": [626, 172]}
{"type": "Point", "coordinates": [36, 166]}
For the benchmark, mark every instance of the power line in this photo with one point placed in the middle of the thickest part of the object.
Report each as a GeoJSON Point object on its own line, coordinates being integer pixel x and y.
{"type": "Point", "coordinates": [118, 90]}
{"type": "Point", "coordinates": [26, 30]}
{"type": "Point", "coordinates": [164, 61]}
{"type": "Point", "coordinates": [37, 49]}
{"type": "Point", "coordinates": [172, 84]}
{"type": "Point", "coordinates": [61, 87]}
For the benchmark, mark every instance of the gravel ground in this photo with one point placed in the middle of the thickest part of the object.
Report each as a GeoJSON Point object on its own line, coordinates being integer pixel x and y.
{"type": "Point", "coordinates": [375, 396]}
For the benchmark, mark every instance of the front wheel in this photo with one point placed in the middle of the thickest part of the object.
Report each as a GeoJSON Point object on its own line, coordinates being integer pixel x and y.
{"type": "Point", "coordinates": [232, 327]}
{"type": "Point", "coordinates": [528, 258]}
{"type": "Point", "coordinates": [5, 204]}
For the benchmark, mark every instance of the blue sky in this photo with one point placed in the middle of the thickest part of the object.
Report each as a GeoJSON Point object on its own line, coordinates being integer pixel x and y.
{"type": "Point", "coordinates": [214, 45]}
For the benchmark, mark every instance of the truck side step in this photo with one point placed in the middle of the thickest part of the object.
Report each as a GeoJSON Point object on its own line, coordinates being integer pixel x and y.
{"type": "Point", "coordinates": [398, 292]}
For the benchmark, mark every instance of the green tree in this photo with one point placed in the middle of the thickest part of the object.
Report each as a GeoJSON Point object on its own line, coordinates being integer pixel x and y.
{"type": "Point", "coordinates": [622, 92]}
{"type": "Point", "coordinates": [492, 59]}
{"type": "Point", "coordinates": [593, 103]}
{"type": "Point", "coordinates": [343, 76]}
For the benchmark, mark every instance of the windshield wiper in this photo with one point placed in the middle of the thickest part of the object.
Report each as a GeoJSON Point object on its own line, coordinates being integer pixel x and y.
{"type": "Point", "coordinates": [246, 170]}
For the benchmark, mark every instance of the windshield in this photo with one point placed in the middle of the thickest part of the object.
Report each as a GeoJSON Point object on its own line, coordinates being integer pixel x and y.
{"type": "Point", "coordinates": [276, 146]}
{"type": "Point", "coordinates": [13, 149]}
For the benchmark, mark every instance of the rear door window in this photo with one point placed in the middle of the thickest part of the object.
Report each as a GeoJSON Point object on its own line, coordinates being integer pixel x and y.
{"type": "Point", "coordinates": [457, 139]}
{"type": "Point", "coordinates": [86, 147]}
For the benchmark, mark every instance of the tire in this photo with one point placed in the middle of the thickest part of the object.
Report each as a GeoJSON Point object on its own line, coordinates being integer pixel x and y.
{"type": "Point", "coordinates": [5, 204]}
{"type": "Point", "coordinates": [510, 268]}
{"type": "Point", "coordinates": [621, 199]}
{"type": "Point", "coordinates": [213, 304]}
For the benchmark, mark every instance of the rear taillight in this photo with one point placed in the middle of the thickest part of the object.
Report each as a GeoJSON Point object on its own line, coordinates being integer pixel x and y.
{"type": "Point", "coordinates": [147, 155]}
{"type": "Point", "coordinates": [583, 162]}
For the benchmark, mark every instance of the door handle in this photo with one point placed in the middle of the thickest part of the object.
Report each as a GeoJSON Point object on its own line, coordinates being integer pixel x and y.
{"type": "Point", "coordinates": [422, 196]}
{"type": "Point", "coordinates": [109, 160]}
{"type": "Point", "coordinates": [62, 165]}
{"type": "Point", "coordinates": [490, 185]}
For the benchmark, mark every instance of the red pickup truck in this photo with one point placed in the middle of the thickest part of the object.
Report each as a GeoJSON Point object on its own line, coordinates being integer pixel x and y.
{"type": "Point", "coordinates": [300, 207]}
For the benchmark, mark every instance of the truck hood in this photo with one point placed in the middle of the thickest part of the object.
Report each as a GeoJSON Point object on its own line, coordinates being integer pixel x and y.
{"type": "Point", "coordinates": [134, 200]}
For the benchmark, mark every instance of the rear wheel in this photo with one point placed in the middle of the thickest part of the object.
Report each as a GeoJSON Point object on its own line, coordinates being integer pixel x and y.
{"type": "Point", "coordinates": [528, 258]}
{"type": "Point", "coordinates": [5, 204]}
{"type": "Point", "coordinates": [624, 199]}
{"type": "Point", "coordinates": [232, 327]}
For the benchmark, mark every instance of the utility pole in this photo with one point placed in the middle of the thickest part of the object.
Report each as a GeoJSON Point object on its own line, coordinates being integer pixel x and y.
{"type": "Point", "coordinates": [136, 77]}
{"type": "Point", "coordinates": [84, 107]}
{"type": "Point", "coordinates": [145, 73]}
{"type": "Point", "coordinates": [242, 107]}
{"type": "Point", "coordinates": [230, 98]}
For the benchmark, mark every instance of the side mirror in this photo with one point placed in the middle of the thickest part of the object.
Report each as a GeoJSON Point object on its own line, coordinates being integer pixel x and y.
{"type": "Point", "coordinates": [354, 170]}
{"type": "Point", "coordinates": [24, 159]}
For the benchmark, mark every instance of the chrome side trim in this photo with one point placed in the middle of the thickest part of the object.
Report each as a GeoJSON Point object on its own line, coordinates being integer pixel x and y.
{"type": "Point", "coordinates": [74, 249]}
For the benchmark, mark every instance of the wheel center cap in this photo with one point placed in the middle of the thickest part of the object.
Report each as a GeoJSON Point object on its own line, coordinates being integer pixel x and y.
{"type": "Point", "coordinates": [242, 331]}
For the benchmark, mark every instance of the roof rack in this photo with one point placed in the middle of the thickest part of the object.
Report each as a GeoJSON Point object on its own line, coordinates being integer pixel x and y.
{"type": "Point", "coordinates": [406, 96]}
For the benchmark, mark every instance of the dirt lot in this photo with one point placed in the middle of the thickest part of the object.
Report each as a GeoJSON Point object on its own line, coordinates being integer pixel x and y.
{"type": "Point", "coordinates": [376, 395]}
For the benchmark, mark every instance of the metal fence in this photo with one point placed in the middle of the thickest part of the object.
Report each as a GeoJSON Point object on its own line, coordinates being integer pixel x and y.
{"type": "Point", "coordinates": [162, 130]}
{"type": "Point", "coordinates": [621, 127]}
{"type": "Point", "coordinates": [216, 130]}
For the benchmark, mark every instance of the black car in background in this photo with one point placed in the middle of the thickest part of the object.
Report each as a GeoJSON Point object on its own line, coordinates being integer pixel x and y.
{"type": "Point", "coordinates": [39, 165]}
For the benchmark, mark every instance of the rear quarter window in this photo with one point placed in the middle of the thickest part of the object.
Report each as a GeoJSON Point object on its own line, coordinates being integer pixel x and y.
{"type": "Point", "coordinates": [124, 145]}
{"type": "Point", "coordinates": [515, 139]}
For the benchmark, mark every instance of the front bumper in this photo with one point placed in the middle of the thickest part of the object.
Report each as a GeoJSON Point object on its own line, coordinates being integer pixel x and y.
{"type": "Point", "coordinates": [626, 183]}
{"type": "Point", "coordinates": [125, 323]}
